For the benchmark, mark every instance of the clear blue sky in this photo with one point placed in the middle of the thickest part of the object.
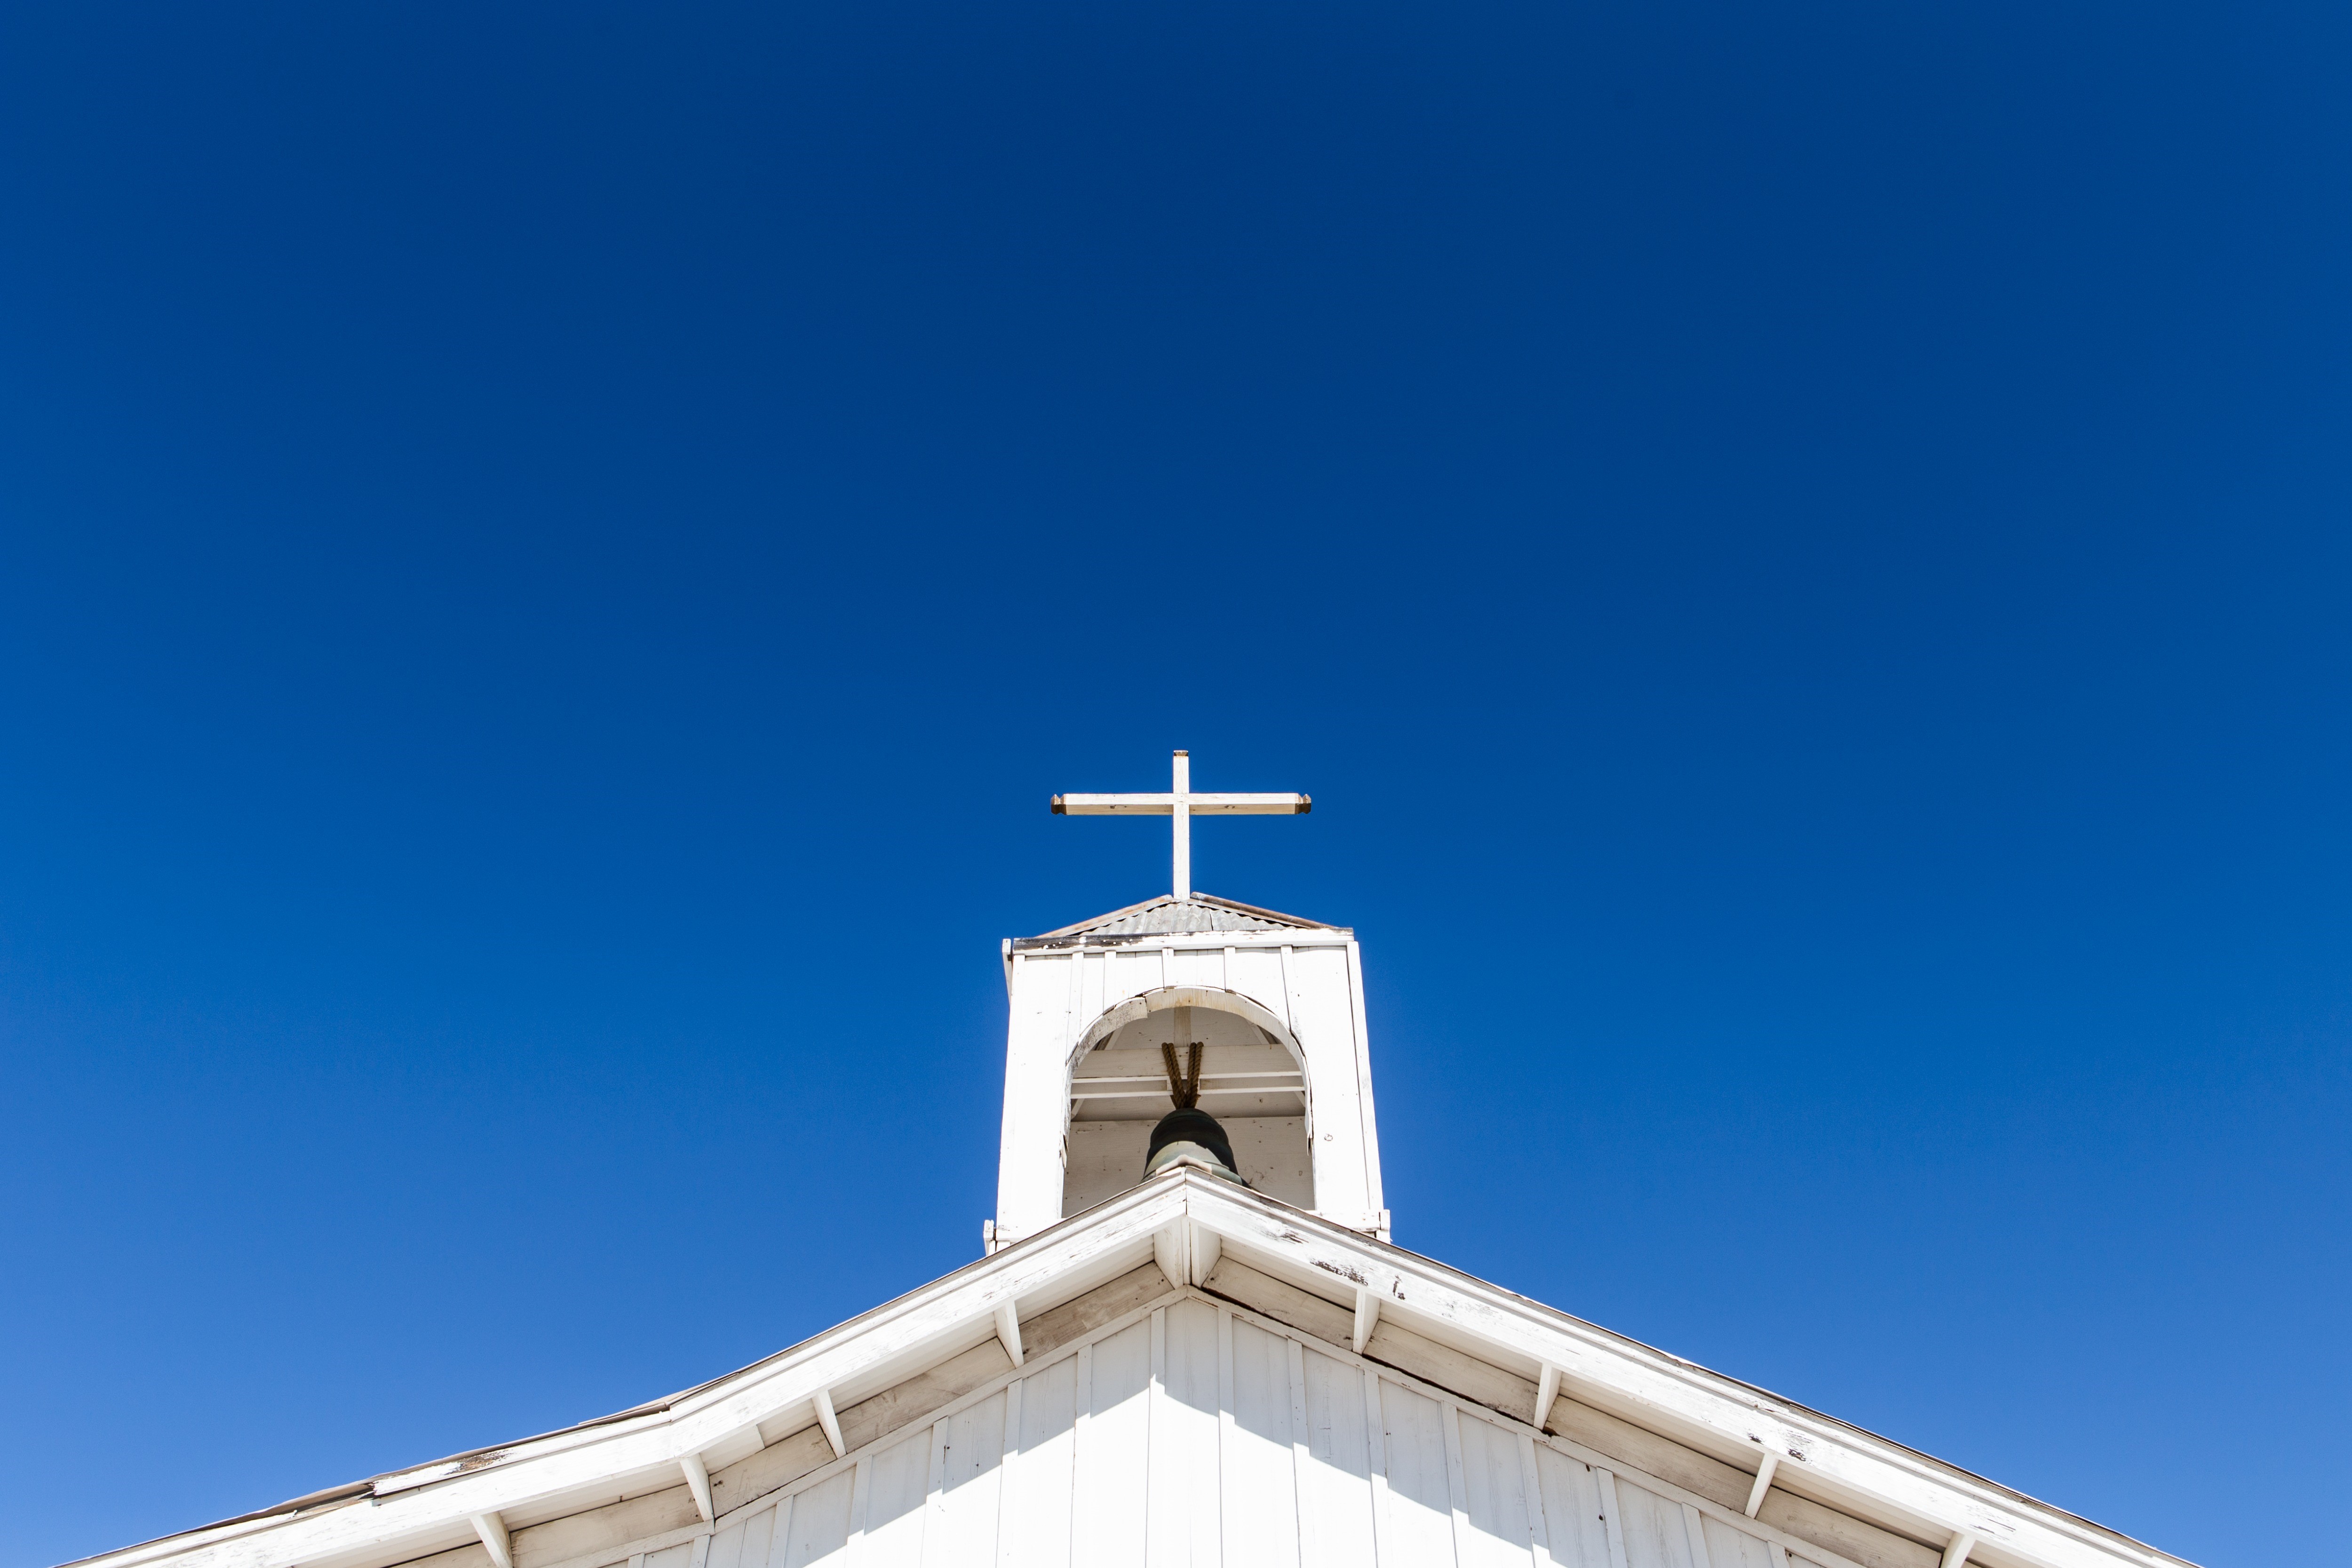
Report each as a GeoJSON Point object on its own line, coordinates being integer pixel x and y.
{"type": "Point", "coordinates": [552, 557]}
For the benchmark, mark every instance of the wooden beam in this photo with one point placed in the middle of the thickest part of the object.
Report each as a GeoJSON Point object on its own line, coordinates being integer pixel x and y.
{"type": "Point", "coordinates": [1368, 1313]}
{"type": "Point", "coordinates": [698, 1481]}
{"type": "Point", "coordinates": [1008, 1331]}
{"type": "Point", "coordinates": [825, 1418]}
{"type": "Point", "coordinates": [1546, 1390]}
{"type": "Point", "coordinates": [1963, 1542]}
{"type": "Point", "coordinates": [493, 1531]}
{"type": "Point", "coordinates": [1763, 1483]}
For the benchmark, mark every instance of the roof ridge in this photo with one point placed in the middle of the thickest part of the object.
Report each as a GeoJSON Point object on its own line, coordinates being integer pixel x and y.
{"type": "Point", "coordinates": [1195, 901]}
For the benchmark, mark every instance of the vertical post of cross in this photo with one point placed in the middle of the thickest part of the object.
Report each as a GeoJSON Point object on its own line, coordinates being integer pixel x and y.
{"type": "Point", "coordinates": [1180, 806]}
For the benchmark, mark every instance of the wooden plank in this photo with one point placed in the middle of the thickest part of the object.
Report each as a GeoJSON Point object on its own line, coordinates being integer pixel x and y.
{"type": "Point", "coordinates": [1302, 1476]}
{"type": "Point", "coordinates": [1164, 1496]}
{"type": "Point", "coordinates": [726, 1548]}
{"type": "Point", "coordinates": [1082, 1538]}
{"type": "Point", "coordinates": [1336, 1493]}
{"type": "Point", "coordinates": [610, 1529]}
{"type": "Point", "coordinates": [1376, 1459]}
{"type": "Point", "coordinates": [1050, 1330]}
{"type": "Point", "coordinates": [1041, 1522]}
{"type": "Point", "coordinates": [1727, 1547]}
{"type": "Point", "coordinates": [1695, 1527]}
{"type": "Point", "coordinates": [1611, 1516]}
{"type": "Point", "coordinates": [1194, 1417]}
{"type": "Point", "coordinates": [818, 1529]}
{"type": "Point", "coordinates": [1546, 1390]}
{"type": "Point", "coordinates": [1008, 1539]}
{"type": "Point", "coordinates": [1763, 1484]}
{"type": "Point", "coordinates": [1230, 1550]}
{"type": "Point", "coordinates": [826, 1417]}
{"type": "Point", "coordinates": [1118, 1439]}
{"type": "Point", "coordinates": [963, 1531]}
{"type": "Point", "coordinates": [1420, 1500]}
{"type": "Point", "coordinates": [1261, 1496]}
{"type": "Point", "coordinates": [1652, 1526]}
{"type": "Point", "coordinates": [923, 1395]}
{"type": "Point", "coordinates": [1572, 1508]}
{"type": "Point", "coordinates": [1494, 1498]}
{"type": "Point", "coordinates": [698, 1481]}
{"type": "Point", "coordinates": [1375, 1197]}
{"type": "Point", "coordinates": [1531, 1494]}
{"type": "Point", "coordinates": [1457, 1487]}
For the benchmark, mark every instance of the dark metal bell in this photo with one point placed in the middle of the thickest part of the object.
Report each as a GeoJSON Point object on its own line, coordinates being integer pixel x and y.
{"type": "Point", "coordinates": [1192, 1137]}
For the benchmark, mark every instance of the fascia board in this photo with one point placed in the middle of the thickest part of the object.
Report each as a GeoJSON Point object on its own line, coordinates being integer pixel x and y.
{"type": "Point", "coordinates": [696, 1421]}
{"type": "Point", "coordinates": [1186, 941]}
{"type": "Point", "coordinates": [1933, 1501]}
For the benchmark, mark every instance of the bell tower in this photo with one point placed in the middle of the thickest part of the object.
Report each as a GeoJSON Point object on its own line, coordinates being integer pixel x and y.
{"type": "Point", "coordinates": [1186, 1029]}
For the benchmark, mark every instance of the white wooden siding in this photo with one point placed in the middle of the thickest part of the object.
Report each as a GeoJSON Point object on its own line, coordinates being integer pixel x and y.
{"type": "Point", "coordinates": [1195, 1436]}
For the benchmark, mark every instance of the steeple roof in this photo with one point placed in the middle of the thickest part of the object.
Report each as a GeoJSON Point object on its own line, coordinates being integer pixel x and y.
{"type": "Point", "coordinates": [1167, 915]}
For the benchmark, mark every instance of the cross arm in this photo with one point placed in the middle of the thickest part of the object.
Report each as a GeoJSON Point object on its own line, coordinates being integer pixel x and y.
{"type": "Point", "coordinates": [1249, 805]}
{"type": "Point", "coordinates": [1198, 805]}
{"type": "Point", "coordinates": [1113, 805]}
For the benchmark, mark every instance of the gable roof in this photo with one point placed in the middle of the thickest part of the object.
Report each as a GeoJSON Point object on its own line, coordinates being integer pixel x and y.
{"type": "Point", "coordinates": [1168, 915]}
{"type": "Point", "coordinates": [607, 1491]}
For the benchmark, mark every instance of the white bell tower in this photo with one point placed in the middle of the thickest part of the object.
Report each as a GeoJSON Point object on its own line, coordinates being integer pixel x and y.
{"type": "Point", "coordinates": [1274, 1005]}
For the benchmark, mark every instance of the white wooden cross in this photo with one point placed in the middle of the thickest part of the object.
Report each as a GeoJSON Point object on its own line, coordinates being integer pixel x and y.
{"type": "Point", "coordinates": [1181, 804]}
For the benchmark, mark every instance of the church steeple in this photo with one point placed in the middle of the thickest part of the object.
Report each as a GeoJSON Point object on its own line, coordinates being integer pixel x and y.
{"type": "Point", "coordinates": [1271, 1006]}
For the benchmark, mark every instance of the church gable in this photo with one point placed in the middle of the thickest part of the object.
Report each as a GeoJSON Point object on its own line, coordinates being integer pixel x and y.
{"type": "Point", "coordinates": [1189, 1372]}
{"type": "Point", "coordinates": [1191, 1428]}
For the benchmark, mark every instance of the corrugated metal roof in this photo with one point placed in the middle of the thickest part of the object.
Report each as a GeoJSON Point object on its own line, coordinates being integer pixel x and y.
{"type": "Point", "coordinates": [1168, 915]}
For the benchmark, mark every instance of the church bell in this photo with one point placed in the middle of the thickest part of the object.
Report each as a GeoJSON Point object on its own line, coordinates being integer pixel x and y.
{"type": "Point", "coordinates": [1188, 1135]}
{"type": "Point", "coordinates": [1191, 1137]}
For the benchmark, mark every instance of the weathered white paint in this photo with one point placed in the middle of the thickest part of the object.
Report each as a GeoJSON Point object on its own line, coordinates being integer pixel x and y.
{"type": "Point", "coordinates": [492, 1528]}
{"type": "Point", "coordinates": [1198, 1436]}
{"type": "Point", "coordinates": [823, 1400]}
{"type": "Point", "coordinates": [1084, 1027]}
{"type": "Point", "coordinates": [1368, 1318]}
{"type": "Point", "coordinates": [698, 1481]}
{"type": "Point", "coordinates": [1763, 1483]}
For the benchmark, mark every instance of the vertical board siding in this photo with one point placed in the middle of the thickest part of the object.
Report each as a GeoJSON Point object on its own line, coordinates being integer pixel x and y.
{"type": "Point", "coordinates": [1261, 1495]}
{"type": "Point", "coordinates": [1730, 1548]}
{"type": "Point", "coordinates": [1496, 1497]}
{"type": "Point", "coordinates": [818, 1530]}
{"type": "Point", "coordinates": [1336, 1485]}
{"type": "Point", "coordinates": [971, 1477]}
{"type": "Point", "coordinates": [759, 1536]}
{"type": "Point", "coordinates": [727, 1548]}
{"type": "Point", "coordinates": [1656, 1536]}
{"type": "Point", "coordinates": [1186, 1499]}
{"type": "Point", "coordinates": [900, 1483]}
{"type": "Point", "coordinates": [1115, 1467]}
{"type": "Point", "coordinates": [1571, 1505]}
{"type": "Point", "coordinates": [1195, 1438]}
{"type": "Point", "coordinates": [1421, 1504]}
{"type": "Point", "coordinates": [1038, 1524]}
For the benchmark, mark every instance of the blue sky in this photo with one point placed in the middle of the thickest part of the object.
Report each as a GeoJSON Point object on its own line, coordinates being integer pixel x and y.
{"type": "Point", "coordinates": [551, 557]}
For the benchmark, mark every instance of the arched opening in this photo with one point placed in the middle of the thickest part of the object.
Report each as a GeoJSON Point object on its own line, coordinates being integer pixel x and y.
{"type": "Point", "coordinates": [1253, 1080]}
